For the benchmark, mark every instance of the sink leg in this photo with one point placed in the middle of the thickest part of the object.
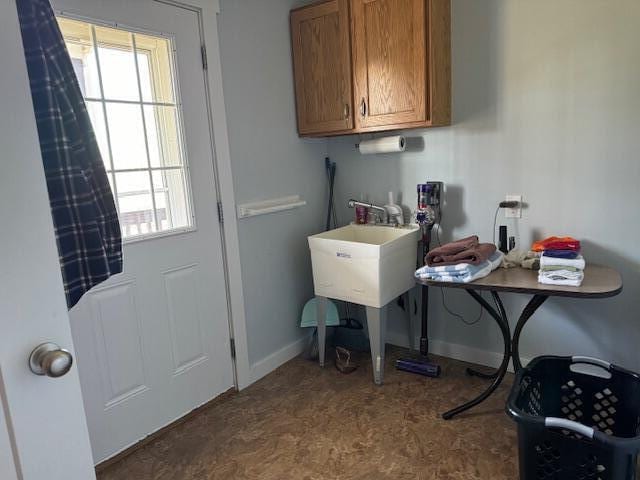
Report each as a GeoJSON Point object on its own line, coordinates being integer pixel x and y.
{"type": "Point", "coordinates": [377, 324]}
{"type": "Point", "coordinates": [321, 314]}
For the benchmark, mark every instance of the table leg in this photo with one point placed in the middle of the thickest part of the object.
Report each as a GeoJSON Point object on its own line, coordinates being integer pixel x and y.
{"type": "Point", "coordinates": [500, 317]}
{"type": "Point", "coordinates": [377, 325]}
{"type": "Point", "coordinates": [528, 311]}
{"type": "Point", "coordinates": [321, 315]}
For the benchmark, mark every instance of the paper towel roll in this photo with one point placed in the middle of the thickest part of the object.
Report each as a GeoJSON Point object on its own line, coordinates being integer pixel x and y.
{"type": "Point", "coordinates": [396, 143]}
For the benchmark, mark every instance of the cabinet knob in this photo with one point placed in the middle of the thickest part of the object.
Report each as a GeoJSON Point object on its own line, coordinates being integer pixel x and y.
{"type": "Point", "coordinates": [363, 107]}
{"type": "Point", "coordinates": [346, 110]}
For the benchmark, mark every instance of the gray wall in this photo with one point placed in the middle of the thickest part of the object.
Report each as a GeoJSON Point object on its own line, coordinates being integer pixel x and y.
{"type": "Point", "coordinates": [269, 161]}
{"type": "Point", "coordinates": [546, 99]}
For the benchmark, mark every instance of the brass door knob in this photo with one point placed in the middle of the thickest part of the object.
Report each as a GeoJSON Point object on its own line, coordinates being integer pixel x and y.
{"type": "Point", "coordinates": [50, 360]}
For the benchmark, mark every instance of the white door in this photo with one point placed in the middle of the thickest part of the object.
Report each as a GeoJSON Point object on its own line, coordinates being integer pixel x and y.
{"type": "Point", "coordinates": [43, 433]}
{"type": "Point", "coordinates": [152, 342]}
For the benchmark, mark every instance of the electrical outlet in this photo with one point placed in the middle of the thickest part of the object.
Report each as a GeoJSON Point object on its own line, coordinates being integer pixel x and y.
{"type": "Point", "coordinates": [513, 212]}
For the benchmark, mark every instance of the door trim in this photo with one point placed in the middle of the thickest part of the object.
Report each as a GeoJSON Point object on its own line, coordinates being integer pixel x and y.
{"type": "Point", "coordinates": [207, 12]}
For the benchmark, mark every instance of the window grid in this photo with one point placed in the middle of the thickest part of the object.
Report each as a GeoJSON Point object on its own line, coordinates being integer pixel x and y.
{"type": "Point", "coordinates": [144, 129]}
{"type": "Point", "coordinates": [112, 171]}
{"type": "Point", "coordinates": [130, 102]}
{"type": "Point", "coordinates": [104, 115]}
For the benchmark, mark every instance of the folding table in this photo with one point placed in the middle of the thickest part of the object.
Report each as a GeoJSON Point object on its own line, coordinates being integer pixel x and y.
{"type": "Point", "coordinates": [599, 282]}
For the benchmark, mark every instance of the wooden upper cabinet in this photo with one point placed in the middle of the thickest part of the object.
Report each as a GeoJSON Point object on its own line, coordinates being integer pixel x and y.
{"type": "Point", "coordinates": [390, 62]}
{"type": "Point", "coordinates": [396, 54]}
{"type": "Point", "coordinates": [322, 67]}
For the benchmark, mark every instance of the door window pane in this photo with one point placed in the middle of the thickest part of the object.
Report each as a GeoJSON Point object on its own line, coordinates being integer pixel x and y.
{"type": "Point", "coordinates": [154, 56]}
{"type": "Point", "coordinates": [163, 134]}
{"type": "Point", "coordinates": [79, 43]}
{"type": "Point", "coordinates": [135, 203]}
{"type": "Point", "coordinates": [96, 113]}
{"type": "Point", "coordinates": [128, 82]}
{"type": "Point", "coordinates": [127, 136]}
{"type": "Point", "coordinates": [169, 190]}
{"type": "Point", "coordinates": [117, 64]}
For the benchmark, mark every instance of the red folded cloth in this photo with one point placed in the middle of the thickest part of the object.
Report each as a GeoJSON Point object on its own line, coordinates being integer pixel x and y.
{"type": "Point", "coordinates": [466, 250]}
{"type": "Point", "coordinates": [556, 243]}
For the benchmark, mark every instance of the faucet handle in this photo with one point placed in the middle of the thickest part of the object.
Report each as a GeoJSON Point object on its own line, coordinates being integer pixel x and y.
{"type": "Point", "coordinates": [395, 214]}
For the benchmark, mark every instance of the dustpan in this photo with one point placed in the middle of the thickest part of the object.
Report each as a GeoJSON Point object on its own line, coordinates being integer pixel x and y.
{"type": "Point", "coordinates": [310, 317]}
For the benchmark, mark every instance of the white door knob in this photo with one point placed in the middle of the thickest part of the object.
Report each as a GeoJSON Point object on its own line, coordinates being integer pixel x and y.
{"type": "Point", "coordinates": [50, 360]}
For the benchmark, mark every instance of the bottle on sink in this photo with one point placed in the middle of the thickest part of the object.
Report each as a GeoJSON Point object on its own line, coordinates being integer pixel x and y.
{"type": "Point", "coordinates": [362, 211]}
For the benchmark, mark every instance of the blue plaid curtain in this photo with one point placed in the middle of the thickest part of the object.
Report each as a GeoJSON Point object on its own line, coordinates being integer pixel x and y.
{"type": "Point", "coordinates": [82, 205]}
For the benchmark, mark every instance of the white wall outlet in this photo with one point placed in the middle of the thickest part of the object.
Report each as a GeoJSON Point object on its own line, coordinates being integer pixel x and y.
{"type": "Point", "coordinates": [513, 212]}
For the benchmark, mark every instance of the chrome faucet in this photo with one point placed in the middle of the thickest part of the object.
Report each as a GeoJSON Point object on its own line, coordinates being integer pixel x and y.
{"type": "Point", "coordinates": [381, 211]}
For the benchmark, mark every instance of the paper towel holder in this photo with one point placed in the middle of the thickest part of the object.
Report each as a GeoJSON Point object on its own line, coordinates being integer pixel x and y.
{"type": "Point", "coordinates": [403, 142]}
{"type": "Point", "coordinates": [386, 144]}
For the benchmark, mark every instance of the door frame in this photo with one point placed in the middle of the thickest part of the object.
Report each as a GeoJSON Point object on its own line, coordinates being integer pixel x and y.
{"type": "Point", "coordinates": [207, 12]}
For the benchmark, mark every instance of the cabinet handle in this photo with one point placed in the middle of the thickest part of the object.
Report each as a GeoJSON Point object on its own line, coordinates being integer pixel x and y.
{"type": "Point", "coordinates": [346, 110]}
{"type": "Point", "coordinates": [363, 107]}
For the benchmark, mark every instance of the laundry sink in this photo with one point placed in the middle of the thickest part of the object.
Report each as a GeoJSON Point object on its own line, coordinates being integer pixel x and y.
{"type": "Point", "coordinates": [364, 264]}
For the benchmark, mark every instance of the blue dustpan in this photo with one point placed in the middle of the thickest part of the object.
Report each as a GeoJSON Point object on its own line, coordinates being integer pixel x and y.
{"type": "Point", "coordinates": [310, 318]}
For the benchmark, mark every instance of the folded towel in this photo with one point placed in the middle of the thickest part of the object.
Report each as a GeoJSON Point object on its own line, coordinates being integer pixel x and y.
{"type": "Point", "coordinates": [452, 248]}
{"type": "Point", "coordinates": [561, 275]}
{"type": "Point", "coordinates": [577, 262]}
{"type": "Point", "coordinates": [556, 243]}
{"type": "Point", "coordinates": [459, 269]}
{"type": "Point", "coordinates": [553, 268]}
{"type": "Point", "coordinates": [467, 250]}
{"type": "Point", "coordinates": [566, 283]}
{"type": "Point", "coordinates": [467, 272]}
{"type": "Point", "coordinates": [570, 254]}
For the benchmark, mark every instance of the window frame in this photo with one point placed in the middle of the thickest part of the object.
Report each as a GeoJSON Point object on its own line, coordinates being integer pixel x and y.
{"type": "Point", "coordinates": [180, 127]}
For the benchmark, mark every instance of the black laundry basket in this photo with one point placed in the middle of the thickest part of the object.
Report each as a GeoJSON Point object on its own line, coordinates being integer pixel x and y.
{"type": "Point", "coordinates": [573, 424]}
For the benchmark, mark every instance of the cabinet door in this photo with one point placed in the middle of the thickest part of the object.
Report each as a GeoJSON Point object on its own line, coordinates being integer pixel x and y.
{"type": "Point", "coordinates": [322, 67]}
{"type": "Point", "coordinates": [390, 63]}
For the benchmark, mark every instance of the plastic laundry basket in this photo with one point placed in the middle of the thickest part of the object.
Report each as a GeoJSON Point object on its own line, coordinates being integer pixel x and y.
{"type": "Point", "coordinates": [576, 425]}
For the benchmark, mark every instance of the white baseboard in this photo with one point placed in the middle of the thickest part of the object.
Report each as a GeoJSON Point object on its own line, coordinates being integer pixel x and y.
{"type": "Point", "coordinates": [273, 361]}
{"type": "Point", "coordinates": [437, 347]}
{"type": "Point", "coordinates": [455, 351]}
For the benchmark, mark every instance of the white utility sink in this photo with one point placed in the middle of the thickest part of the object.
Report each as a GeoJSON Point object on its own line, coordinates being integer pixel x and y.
{"type": "Point", "coordinates": [369, 265]}
{"type": "Point", "coordinates": [365, 264]}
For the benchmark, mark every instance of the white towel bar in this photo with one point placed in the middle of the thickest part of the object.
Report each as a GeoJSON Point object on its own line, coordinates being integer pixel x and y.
{"type": "Point", "coordinates": [270, 206]}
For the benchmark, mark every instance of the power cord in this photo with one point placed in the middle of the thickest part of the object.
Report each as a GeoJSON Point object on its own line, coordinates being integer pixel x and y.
{"type": "Point", "coordinates": [495, 223]}
{"type": "Point", "coordinates": [458, 315]}
{"type": "Point", "coordinates": [444, 299]}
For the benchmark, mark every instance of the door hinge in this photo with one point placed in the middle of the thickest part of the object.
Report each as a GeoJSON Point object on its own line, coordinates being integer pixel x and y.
{"type": "Point", "coordinates": [203, 52]}
{"type": "Point", "coordinates": [220, 213]}
{"type": "Point", "coordinates": [232, 344]}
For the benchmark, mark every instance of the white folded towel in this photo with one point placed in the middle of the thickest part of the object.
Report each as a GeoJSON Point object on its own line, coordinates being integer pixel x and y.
{"type": "Point", "coordinates": [467, 274]}
{"type": "Point", "coordinates": [562, 262]}
{"type": "Point", "coordinates": [562, 274]}
{"type": "Point", "coordinates": [566, 283]}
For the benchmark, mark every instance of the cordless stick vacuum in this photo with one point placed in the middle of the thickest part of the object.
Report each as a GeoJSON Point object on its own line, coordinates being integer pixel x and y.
{"type": "Point", "coordinates": [427, 214]}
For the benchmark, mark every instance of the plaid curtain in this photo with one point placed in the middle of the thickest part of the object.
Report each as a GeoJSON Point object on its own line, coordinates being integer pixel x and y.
{"type": "Point", "coordinates": [82, 205]}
